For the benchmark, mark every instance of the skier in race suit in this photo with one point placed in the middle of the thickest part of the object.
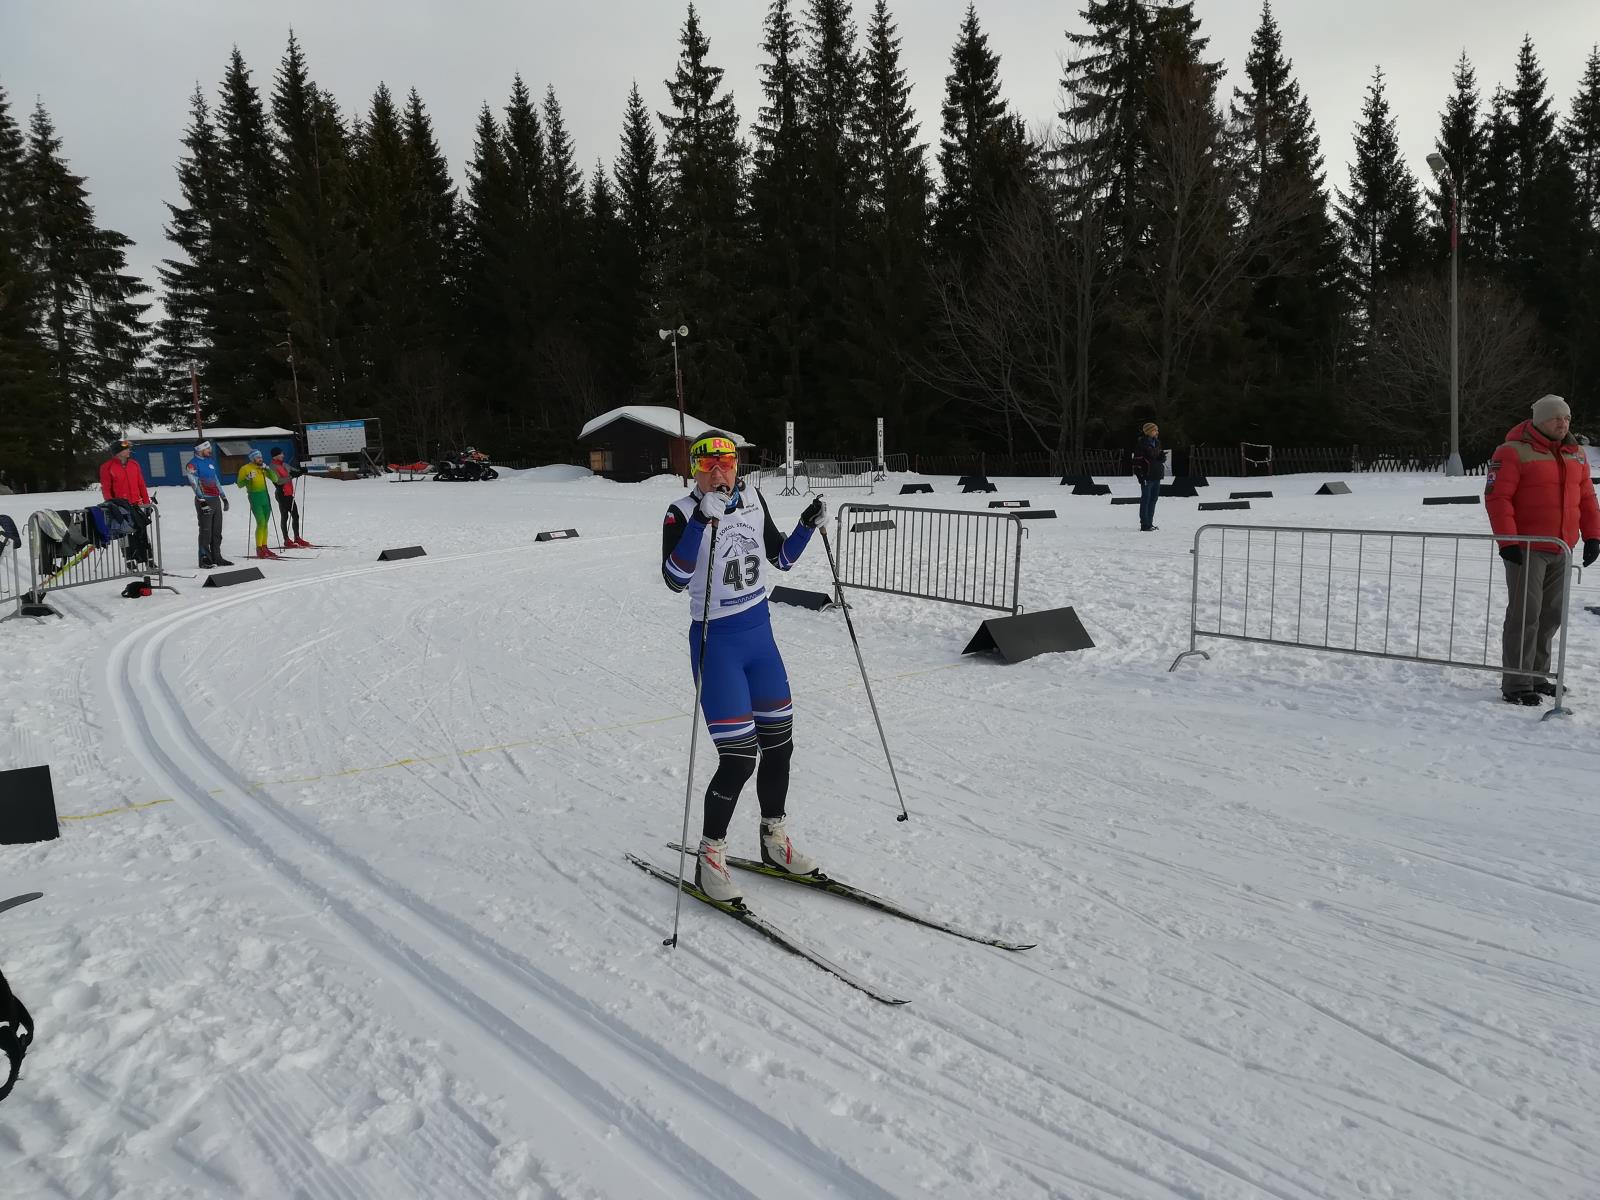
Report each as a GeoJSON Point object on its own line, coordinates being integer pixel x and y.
{"type": "Point", "coordinates": [744, 694]}
{"type": "Point", "coordinates": [255, 479]}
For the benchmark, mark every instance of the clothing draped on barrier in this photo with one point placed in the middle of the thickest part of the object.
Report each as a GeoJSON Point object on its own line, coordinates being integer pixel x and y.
{"type": "Point", "coordinates": [70, 548]}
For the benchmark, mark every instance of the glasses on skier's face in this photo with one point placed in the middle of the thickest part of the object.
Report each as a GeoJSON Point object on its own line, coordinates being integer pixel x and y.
{"type": "Point", "coordinates": [716, 462]}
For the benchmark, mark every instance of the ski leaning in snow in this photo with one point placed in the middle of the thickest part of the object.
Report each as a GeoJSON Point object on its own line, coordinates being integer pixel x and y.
{"type": "Point", "coordinates": [835, 887]}
{"type": "Point", "coordinates": [16, 900]}
{"type": "Point", "coordinates": [771, 932]}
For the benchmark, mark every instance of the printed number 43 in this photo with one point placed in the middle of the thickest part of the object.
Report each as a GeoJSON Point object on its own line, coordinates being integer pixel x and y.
{"type": "Point", "coordinates": [751, 569]}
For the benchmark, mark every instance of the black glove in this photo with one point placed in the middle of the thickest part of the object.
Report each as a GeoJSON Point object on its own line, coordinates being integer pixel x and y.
{"type": "Point", "coordinates": [816, 513]}
{"type": "Point", "coordinates": [1591, 551]}
{"type": "Point", "coordinates": [224, 504]}
{"type": "Point", "coordinates": [1512, 554]}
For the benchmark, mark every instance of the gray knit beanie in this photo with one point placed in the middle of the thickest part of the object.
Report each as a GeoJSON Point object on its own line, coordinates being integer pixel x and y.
{"type": "Point", "coordinates": [1547, 407]}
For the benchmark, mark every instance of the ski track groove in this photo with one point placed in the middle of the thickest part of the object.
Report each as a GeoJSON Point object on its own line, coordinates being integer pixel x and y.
{"type": "Point", "coordinates": [271, 1125]}
{"type": "Point", "coordinates": [650, 1135]}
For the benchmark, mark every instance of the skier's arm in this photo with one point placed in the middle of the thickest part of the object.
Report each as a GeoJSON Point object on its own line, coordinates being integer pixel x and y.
{"type": "Point", "coordinates": [105, 479]}
{"type": "Point", "coordinates": [680, 547]}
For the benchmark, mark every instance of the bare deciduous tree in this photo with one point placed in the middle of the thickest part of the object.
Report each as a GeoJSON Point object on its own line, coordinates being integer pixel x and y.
{"type": "Point", "coordinates": [1210, 233]}
{"type": "Point", "coordinates": [1405, 391]}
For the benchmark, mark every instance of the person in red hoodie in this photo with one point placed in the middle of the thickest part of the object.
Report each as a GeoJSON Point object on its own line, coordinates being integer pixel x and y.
{"type": "Point", "coordinates": [1538, 484]}
{"type": "Point", "coordinates": [122, 484]}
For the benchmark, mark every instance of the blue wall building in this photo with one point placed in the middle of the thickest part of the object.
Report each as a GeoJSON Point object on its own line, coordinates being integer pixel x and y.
{"type": "Point", "coordinates": [162, 455]}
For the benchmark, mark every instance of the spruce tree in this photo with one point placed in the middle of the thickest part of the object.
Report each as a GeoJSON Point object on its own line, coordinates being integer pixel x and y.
{"type": "Point", "coordinates": [244, 318]}
{"type": "Point", "coordinates": [982, 148]}
{"type": "Point", "coordinates": [493, 327]}
{"type": "Point", "coordinates": [836, 341]}
{"type": "Point", "coordinates": [385, 318]}
{"type": "Point", "coordinates": [612, 307]}
{"type": "Point", "coordinates": [637, 174]}
{"type": "Point", "coordinates": [779, 220]}
{"type": "Point", "coordinates": [1107, 90]}
{"type": "Point", "coordinates": [638, 179]}
{"type": "Point", "coordinates": [27, 396]}
{"type": "Point", "coordinates": [1295, 305]}
{"type": "Point", "coordinates": [1462, 144]}
{"type": "Point", "coordinates": [433, 220]}
{"type": "Point", "coordinates": [90, 316]}
{"type": "Point", "coordinates": [191, 284]}
{"type": "Point", "coordinates": [703, 160]}
{"type": "Point", "coordinates": [1381, 214]}
{"type": "Point", "coordinates": [895, 202]}
{"type": "Point", "coordinates": [1544, 246]}
{"type": "Point", "coordinates": [1495, 199]}
{"type": "Point", "coordinates": [317, 252]}
{"type": "Point", "coordinates": [1582, 137]}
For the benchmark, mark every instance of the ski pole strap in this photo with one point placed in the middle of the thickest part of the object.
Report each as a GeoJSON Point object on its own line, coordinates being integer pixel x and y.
{"type": "Point", "coordinates": [16, 1033]}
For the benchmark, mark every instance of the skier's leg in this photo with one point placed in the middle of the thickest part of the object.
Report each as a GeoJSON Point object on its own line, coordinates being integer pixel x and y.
{"type": "Point", "coordinates": [725, 703]}
{"type": "Point", "coordinates": [774, 714]}
{"type": "Point", "coordinates": [774, 717]}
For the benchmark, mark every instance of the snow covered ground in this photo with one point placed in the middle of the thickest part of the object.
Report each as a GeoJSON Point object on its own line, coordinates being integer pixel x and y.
{"type": "Point", "coordinates": [340, 907]}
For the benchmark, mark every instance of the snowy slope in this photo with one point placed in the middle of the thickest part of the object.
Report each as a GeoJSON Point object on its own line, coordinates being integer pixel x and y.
{"type": "Point", "coordinates": [341, 909]}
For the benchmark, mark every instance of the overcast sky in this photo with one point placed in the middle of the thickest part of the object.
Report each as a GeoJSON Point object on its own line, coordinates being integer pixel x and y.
{"type": "Point", "coordinates": [116, 75]}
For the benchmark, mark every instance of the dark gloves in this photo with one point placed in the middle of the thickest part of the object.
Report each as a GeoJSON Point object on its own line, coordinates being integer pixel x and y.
{"type": "Point", "coordinates": [816, 513]}
{"type": "Point", "coordinates": [224, 504]}
{"type": "Point", "coordinates": [1512, 554]}
{"type": "Point", "coordinates": [1591, 551]}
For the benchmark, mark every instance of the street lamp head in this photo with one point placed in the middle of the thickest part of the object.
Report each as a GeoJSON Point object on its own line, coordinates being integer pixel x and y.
{"type": "Point", "coordinates": [683, 331]}
{"type": "Point", "coordinates": [1438, 166]}
{"type": "Point", "coordinates": [663, 334]}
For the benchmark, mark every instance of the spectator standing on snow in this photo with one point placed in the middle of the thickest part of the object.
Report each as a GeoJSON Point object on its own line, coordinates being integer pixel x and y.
{"type": "Point", "coordinates": [1149, 467]}
{"type": "Point", "coordinates": [283, 477]}
{"type": "Point", "coordinates": [122, 484]}
{"type": "Point", "coordinates": [1538, 484]}
{"type": "Point", "coordinates": [209, 505]}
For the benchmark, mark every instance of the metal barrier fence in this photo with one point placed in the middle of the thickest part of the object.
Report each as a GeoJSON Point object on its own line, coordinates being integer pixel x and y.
{"type": "Point", "coordinates": [823, 473]}
{"type": "Point", "coordinates": [88, 558]}
{"type": "Point", "coordinates": [1419, 597]}
{"type": "Point", "coordinates": [950, 555]}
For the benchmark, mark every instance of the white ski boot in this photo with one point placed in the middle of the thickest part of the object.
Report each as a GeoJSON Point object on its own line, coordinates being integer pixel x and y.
{"type": "Point", "coordinates": [711, 874]}
{"type": "Point", "coordinates": [778, 851]}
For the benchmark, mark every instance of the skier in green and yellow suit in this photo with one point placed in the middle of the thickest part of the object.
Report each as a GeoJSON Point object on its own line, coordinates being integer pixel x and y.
{"type": "Point", "coordinates": [256, 480]}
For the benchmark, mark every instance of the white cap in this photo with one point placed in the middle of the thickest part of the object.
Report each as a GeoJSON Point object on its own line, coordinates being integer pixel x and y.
{"type": "Point", "coordinates": [200, 446]}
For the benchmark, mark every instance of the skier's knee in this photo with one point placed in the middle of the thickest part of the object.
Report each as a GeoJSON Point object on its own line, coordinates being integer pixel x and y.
{"type": "Point", "coordinates": [736, 761]}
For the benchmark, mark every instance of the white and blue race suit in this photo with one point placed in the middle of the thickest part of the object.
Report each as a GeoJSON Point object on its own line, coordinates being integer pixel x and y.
{"type": "Point", "coordinates": [745, 693]}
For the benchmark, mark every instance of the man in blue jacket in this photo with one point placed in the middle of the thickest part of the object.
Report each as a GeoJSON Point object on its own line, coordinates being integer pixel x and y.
{"type": "Point", "coordinates": [209, 505]}
{"type": "Point", "coordinates": [1150, 466]}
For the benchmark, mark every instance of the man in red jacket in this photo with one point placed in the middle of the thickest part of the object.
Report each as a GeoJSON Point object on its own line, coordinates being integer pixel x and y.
{"type": "Point", "coordinates": [122, 484]}
{"type": "Point", "coordinates": [1538, 484]}
{"type": "Point", "coordinates": [121, 478]}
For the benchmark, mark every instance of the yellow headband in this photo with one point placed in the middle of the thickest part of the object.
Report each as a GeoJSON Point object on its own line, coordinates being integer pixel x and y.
{"type": "Point", "coordinates": [713, 445]}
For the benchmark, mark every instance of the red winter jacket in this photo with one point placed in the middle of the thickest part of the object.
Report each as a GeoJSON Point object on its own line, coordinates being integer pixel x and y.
{"type": "Point", "coordinates": [1540, 486]}
{"type": "Point", "coordinates": [123, 481]}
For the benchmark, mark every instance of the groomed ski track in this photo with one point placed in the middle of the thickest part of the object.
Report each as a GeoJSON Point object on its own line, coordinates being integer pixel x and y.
{"type": "Point", "coordinates": [1307, 927]}
{"type": "Point", "coordinates": [582, 1069]}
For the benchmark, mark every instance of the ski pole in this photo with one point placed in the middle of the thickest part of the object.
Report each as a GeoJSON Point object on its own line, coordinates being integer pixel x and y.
{"type": "Point", "coordinates": [694, 733]}
{"type": "Point", "coordinates": [838, 590]}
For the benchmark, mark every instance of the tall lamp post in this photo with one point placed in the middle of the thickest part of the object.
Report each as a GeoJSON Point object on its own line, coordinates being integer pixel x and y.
{"type": "Point", "coordinates": [1442, 171]}
{"type": "Point", "coordinates": [677, 375]}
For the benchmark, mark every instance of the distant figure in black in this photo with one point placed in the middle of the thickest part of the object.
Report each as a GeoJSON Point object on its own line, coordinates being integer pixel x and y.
{"type": "Point", "coordinates": [1149, 465]}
